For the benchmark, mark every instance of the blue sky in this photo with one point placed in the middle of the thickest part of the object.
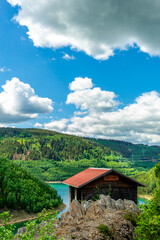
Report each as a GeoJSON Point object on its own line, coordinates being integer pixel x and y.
{"type": "Point", "coordinates": [131, 71]}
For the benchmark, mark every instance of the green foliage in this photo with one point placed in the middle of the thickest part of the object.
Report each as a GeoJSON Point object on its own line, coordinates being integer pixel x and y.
{"type": "Point", "coordinates": [148, 225]}
{"type": "Point", "coordinates": [133, 218]}
{"type": "Point", "coordinates": [148, 179]}
{"type": "Point", "coordinates": [105, 230]}
{"type": "Point", "coordinates": [142, 155]}
{"type": "Point", "coordinates": [41, 228]}
{"type": "Point", "coordinates": [53, 156]}
{"type": "Point", "coordinates": [20, 190]}
{"type": "Point", "coordinates": [6, 230]}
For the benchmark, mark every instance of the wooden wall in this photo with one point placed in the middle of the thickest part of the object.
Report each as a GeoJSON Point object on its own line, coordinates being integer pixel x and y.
{"type": "Point", "coordinates": [113, 185]}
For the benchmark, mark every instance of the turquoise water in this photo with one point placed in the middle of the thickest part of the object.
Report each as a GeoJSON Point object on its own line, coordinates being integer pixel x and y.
{"type": "Point", "coordinates": [142, 201]}
{"type": "Point", "coordinates": [63, 191]}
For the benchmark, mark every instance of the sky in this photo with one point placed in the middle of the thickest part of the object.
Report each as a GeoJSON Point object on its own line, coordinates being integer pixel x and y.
{"type": "Point", "coordinates": [86, 67]}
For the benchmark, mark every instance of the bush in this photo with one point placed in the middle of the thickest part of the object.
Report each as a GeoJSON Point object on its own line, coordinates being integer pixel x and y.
{"type": "Point", "coordinates": [105, 230]}
{"type": "Point", "coordinates": [148, 225]}
{"type": "Point", "coordinates": [34, 228]}
{"type": "Point", "coordinates": [133, 218]}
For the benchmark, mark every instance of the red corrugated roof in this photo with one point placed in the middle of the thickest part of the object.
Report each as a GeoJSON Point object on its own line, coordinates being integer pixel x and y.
{"type": "Point", "coordinates": [85, 176]}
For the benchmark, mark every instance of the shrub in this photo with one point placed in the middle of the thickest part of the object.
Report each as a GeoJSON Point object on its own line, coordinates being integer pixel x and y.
{"type": "Point", "coordinates": [105, 230]}
{"type": "Point", "coordinates": [133, 218]}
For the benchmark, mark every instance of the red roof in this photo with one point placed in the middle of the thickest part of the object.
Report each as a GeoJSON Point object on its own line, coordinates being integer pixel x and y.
{"type": "Point", "coordinates": [85, 177]}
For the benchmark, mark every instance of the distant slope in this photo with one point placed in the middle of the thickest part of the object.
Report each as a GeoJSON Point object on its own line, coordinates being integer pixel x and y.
{"type": "Point", "coordinates": [21, 190]}
{"type": "Point", "coordinates": [37, 144]}
{"type": "Point", "coordinates": [147, 178]}
{"type": "Point", "coordinates": [142, 155]}
{"type": "Point", "coordinates": [54, 156]}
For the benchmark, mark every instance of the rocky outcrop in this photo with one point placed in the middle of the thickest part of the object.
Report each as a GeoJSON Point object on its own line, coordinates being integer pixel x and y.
{"type": "Point", "coordinates": [82, 220]}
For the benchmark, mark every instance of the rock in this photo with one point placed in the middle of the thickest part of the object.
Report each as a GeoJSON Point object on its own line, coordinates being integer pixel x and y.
{"type": "Point", "coordinates": [107, 202]}
{"type": "Point", "coordinates": [131, 206]}
{"type": "Point", "coordinates": [66, 216]}
{"type": "Point", "coordinates": [85, 204]}
{"type": "Point", "coordinates": [76, 210]}
{"type": "Point", "coordinates": [21, 230]}
{"type": "Point", "coordinates": [119, 204]}
{"type": "Point", "coordinates": [94, 209]}
{"type": "Point", "coordinates": [82, 220]}
{"type": "Point", "coordinates": [73, 229]}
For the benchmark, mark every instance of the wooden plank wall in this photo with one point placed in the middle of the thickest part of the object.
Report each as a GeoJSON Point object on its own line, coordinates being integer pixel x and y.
{"type": "Point", "coordinates": [115, 186]}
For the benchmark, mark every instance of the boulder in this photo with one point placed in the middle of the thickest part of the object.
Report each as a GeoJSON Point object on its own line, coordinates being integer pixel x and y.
{"type": "Point", "coordinates": [107, 202]}
{"type": "Point", "coordinates": [94, 209]}
{"type": "Point", "coordinates": [76, 210]}
{"type": "Point", "coordinates": [119, 204]}
{"type": "Point", "coordinates": [85, 204]}
{"type": "Point", "coordinates": [21, 230]}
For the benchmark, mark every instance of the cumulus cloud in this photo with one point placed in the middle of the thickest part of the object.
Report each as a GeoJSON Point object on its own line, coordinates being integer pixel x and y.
{"type": "Point", "coordinates": [80, 83]}
{"type": "Point", "coordinates": [18, 102]}
{"type": "Point", "coordinates": [68, 57]}
{"type": "Point", "coordinates": [39, 125]}
{"type": "Point", "coordinates": [137, 122]}
{"type": "Point", "coordinates": [96, 27]}
{"type": "Point", "coordinates": [57, 125]}
{"type": "Point", "coordinates": [88, 98]}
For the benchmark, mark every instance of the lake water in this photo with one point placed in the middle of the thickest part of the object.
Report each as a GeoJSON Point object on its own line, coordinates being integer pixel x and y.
{"type": "Point", "coordinates": [63, 191]}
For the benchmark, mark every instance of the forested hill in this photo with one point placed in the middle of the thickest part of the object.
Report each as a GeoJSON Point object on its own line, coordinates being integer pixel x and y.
{"type": "Point", "coordinates": [55, 156]}
{"type": "Point", "coordinates": [37, 144]}
{"type": "Point", "coordinates": [142, 155]}
{"type": "Point", "coordinates": [21, 190]}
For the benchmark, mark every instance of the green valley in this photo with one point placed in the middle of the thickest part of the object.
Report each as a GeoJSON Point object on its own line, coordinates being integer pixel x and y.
{"type": "Point", "coordinates": [54, 156]}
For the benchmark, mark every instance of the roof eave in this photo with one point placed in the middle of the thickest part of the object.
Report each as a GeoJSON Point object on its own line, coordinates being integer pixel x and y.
{"type": "Point", "coordinates": [93, 179]}
{"type": "Point", "coordinates": [104, 174]}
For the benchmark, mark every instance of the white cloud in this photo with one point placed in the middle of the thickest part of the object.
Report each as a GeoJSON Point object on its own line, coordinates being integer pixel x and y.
{"type": "Point", "coordinates": [39, 125]}
{"type": "Point", "coordinates": [18, 102]}
{"type": "Point", "coordinates": [4, 69]}
{"type": "Point", "coordinates": [80, 83]}
{"type": "Point", "coordinates": [53, 59]}
{"type": "Point", "coordinates": [68, 57]}
{"type": "Point", "coordinates": [80, 113]}
{"type": "Point", "coordinates": [59, 125]}
{"type": "Point", "coordinates": [90, 99]}
{"type": "Point", "coordinates": [96, 27]}
{"type": "Point", "coordinates": [137, 122]}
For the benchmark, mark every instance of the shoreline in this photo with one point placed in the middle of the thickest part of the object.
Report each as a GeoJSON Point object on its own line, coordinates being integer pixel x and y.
{"type": "Point", "coordinates": [28, 218]}
{"type": "Point", "coordinates": [147, 197]}
{"type": "Point", "coordinates": [53, 181]}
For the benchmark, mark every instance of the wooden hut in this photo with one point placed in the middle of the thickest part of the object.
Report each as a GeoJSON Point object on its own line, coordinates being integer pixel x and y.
{"type": "Point", "coordinates": [92, 182]}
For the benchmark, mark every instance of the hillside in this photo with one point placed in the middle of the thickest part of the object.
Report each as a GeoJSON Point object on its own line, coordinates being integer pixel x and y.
{"type": "Point", "coordinates": [20, 190]}
{"type": "Point", "coordinates": [54, 156]}
{"type": "Point", "coordinates": [142, 155]}
{"type": "Point", "coordinates": [149, 179]}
